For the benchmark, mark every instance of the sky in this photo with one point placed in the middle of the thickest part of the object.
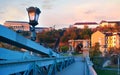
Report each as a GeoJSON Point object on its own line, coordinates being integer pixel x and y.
{"type": "Point", "coordinates": [61, 13]}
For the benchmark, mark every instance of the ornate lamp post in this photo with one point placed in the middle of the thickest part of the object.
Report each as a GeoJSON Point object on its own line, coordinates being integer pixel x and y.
{"type": "Point", "coordinates": [33, 13]}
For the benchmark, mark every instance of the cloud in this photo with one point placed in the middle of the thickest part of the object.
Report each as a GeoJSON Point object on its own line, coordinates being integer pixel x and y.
{"type": "Point", "coordinates": [1, 12]}
{"type": "Point", "coordinates": [13, 14]}
{"type": "Point", "coordinates": [24, 4]}
{"type": "Point", "coordinates": [47, 4]}
{"type": "Point", "coordinates": [89, 11]}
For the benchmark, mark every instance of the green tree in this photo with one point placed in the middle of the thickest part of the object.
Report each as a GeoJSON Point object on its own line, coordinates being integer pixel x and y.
{"type": "Point", "coordinates": [86, 33]}
{"type": "Point", "coordinates": [94, 55]}
{"type": "Point", "coordinates": [48, 38]}
{"type": "Point", "coordinates": [64, 48]}
{"type": "Point", "coordinates": [95, 51]}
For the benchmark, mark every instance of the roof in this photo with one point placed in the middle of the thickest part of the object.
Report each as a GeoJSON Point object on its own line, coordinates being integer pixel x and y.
{"type": "Point", "coordinates": [113, 21]}
{"type": "Point", "coordinates": [111, 34]}
{"type": "Point", "coordinates": [108, 33]}
{"type": "Point", "coordinates": [41, 28]}
{"type": "Point", "coordinates": [118, 22]}
{"type": "Point", "coordinates": [84, 23]}
{"type": "Point", "coordinates": [17, 21]}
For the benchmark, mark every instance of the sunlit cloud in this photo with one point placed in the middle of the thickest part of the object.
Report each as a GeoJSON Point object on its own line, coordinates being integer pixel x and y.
{"type": "Point", "coordinates": [89, 11]}
{"type": "Point", "coordinates": [14, 14]}
{"type": "Point", "coordinates": [61, 12]}
{"type": "Point", "coordinates": [47, 4]}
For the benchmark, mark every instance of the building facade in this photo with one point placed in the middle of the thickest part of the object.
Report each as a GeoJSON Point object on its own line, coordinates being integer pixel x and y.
{"type": "Point", "coordinates": [85, 43]}
{"type": "Point", "coordinates": [83, 24]}
{"type": "Point", "coordinates": [109, 23]}
{"type": "Point", "coordinates": [41, 29]}
{"type": "Point", "coordinates": [113, 41]}
{"type": "Point", "coordinates": [98, 37]}
{"type": "Point", "coordinates": [106, 40]}
{"type": "Point", "coordinates": [17, 25]}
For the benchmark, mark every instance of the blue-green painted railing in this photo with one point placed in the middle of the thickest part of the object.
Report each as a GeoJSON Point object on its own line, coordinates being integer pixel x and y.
{"type": "Point", "coordinates": [36, 60]}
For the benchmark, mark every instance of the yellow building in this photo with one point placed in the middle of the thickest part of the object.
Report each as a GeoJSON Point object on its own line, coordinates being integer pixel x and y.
{"type": "Point", "coordinates": [18, 25]}
{"type": "Point", "coordinates": [98, 37]}
{"type": "Point", "coordinates": [109, 23]}
{"type": "Point", "coordinates": [113, 41]}
{"type": "Point", "coordinates": [106, 40]}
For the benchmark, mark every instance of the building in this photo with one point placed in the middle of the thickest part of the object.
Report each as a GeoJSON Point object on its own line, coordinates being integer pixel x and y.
{"type": "Point", "coordinates": [106, 40]}
{"type": "Point", "coordinates": [98, 37]}
{"type": "Point", "coordinates": [113, 40]}
{"type": "Point", "coordinates": [109, 23]}
{"type": "Point", "coordinates": [18, 25]}
{"type": "Point", "coordinates": [40, 29]}
{"type": "Point", "coordinates": [74, 43]}
{"type": "Point", "coordinates": [83, 24]}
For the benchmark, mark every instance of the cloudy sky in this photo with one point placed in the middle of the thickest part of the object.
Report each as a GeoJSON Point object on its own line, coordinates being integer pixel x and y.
{"type": "Point", "coordinates": [61, 13]}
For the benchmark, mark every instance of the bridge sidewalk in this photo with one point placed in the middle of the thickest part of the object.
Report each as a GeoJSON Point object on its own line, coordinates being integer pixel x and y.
{"type": "Point", "coordinates": [76, 68]}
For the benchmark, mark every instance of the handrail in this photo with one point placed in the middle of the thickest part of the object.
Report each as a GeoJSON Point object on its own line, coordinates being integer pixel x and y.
{"type": "Point", "coordinates": [89, 64]}
{"type": "Point", "coordinates": [13, 66]}
{"type": "Point", "coordinates": [15, 62]}
{"type": "Point", "coordinates": [11, 37]}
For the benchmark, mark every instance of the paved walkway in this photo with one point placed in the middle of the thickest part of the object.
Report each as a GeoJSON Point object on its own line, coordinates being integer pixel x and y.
{"type": "Point", "coordinates": [76, 68]}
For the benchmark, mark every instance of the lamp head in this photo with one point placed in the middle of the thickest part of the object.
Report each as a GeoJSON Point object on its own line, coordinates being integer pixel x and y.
{"type": "Point", "coordinates": [33, 13]}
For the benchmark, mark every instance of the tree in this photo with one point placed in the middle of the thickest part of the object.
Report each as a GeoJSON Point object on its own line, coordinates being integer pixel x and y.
{"type": "Point", "coordinates": [86, 33]}
{"type": "Point", "coordinates": [48, 38]}
{"type": "Point", "coordinates": [94, 55]}
{"type": "Point", "coordinates": [69, 34]}
{"type": "Point", "coordinates": [64, 48]}
{"type": "Point", "coordinates": [95, 51]}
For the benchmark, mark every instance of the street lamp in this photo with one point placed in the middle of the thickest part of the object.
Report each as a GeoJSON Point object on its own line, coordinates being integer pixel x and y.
{"type": "Point", "coordinates": [33, 13]}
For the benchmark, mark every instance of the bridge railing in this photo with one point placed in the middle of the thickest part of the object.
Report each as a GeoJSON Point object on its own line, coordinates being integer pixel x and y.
{"type": "Point", "coordinates": [89, 70]}
{"type": "Point", "coordinates": [42, 61]}
{"type": "Point", "coordinates": [42, 66]}
{"type": "Point", "coordinates": [11, 37]}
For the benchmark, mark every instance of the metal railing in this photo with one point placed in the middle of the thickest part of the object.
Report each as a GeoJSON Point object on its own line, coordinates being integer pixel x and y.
{"type": "Point", "coordinates": [89, 70]}
{"type": "Point", "coordinates": [13, 38]}
{"type": "Point", "coordinates": [42, 61]}
{"type": "Point", "coordinates": [43, 66]}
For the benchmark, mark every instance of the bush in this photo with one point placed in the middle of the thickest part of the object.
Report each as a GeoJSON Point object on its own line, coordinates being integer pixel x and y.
{"type": "Point", "coordinates": [114, 59]}
{"type": "Point", "coordinates": [64, 48]}
{"type": "Point", "coordinates": [98, 62]}
{"type": "Point", "coordinates": [95, 51]}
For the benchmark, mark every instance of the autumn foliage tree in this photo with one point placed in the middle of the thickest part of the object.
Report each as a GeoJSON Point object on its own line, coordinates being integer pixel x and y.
{"type": "Point", "coordinates": [49, 37]}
